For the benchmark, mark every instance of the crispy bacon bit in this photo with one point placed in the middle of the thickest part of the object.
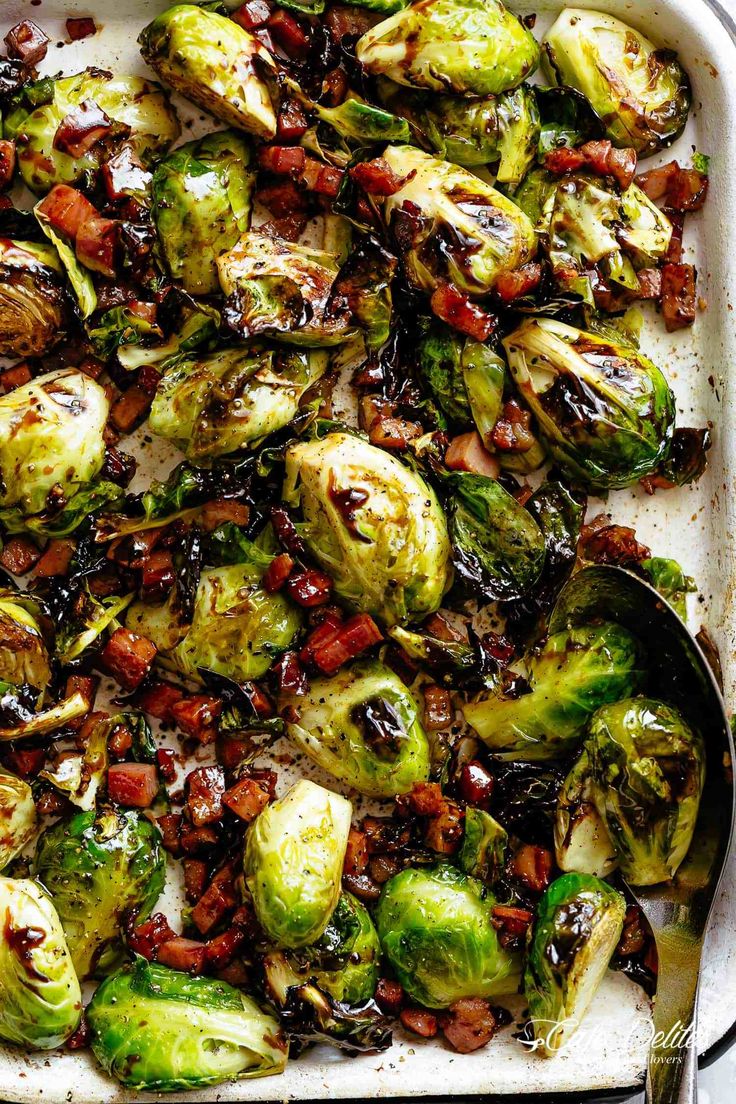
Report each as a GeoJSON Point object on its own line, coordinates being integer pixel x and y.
{"type": "Point", "coordinates": [674, 250]}
{"type": "Point", "coordinates": [289, 228]}
{"type": "Point", "coordinates": [66, 209]}
{"type": "Point", "coordinates": [119, 467]}
{"type": "Point", "coordinates": [350, 639]}
{"type": "Point", "coordinates": [564, 160]}
{"type": "Point", "coordinates": [444, 831]}
{"type": "Point", "coordinates": [221, 950]}
{"type": "Point", "coordinates": [14, 377]}
{"type": "Point", "coordinates": [613, 544]}
{"type": "Point", "coordinates": [292, 122]}
{"type": "Point", "coordinates": [25, 762]}
{"type": "Point", "coordinates": [362, 886]}
{"type": "Point", "coordinates": [356, 853]}
{"type": "Point", "coordinates": [283, 199]}
{"type": "Point", "coordinates": [166, 763]}
{"type": "Point", "coordinates": [678, 296]}
{"type": "Point", "coordinates": [531, 865]}
{"type": "Point", "coordinates": [86, 685]}
{"type": "Point", "coordinates": [120, 741]}
{"type": "Point", "coordinates": [158, 700]}
{"type": "Point", "coordinates": [476, 783]}
{"type": "Point", "coordinates": [182, 954]}
{"type": "Point", "coordinates": [335, 87]}
{"type": "Point", "coordinates": [128, 657]}
{"type": "Point", "coordinates": [78, 29]}
{"type": "Point", "coordinates": [393, 433]}
{"type": "Point", "coordinates": [419, 1021]}
{"type": "Point", "coordinates": [194, 841]}
{"type": "Point", "coordinates": [282, 160]}
{"type": "Point", "coordinates": [19, 554]}
{"type": "Point", "coordinates": [197, 716]}
{"type": "Point", "coordinates": [655, 183]}
{"type": "Point", "coordinates": [346, 20]}
{"type": "Point", "coordinates": [286, 530]}
{"type": "Point", "coordinates": [438, 711]}
{"type": "Point", "coordinates": [289, 34]}
{"type": "Point", "coordinates": [599, 157]}
{"type": "Point", "coordinates": [132, 784]}
{"type": "Point", "coordinates": [27, 42]}
{"type": "Point", "coordinates": [389, 996]}
{"type": "Point", "coordinates": [455, 308]}
{"type": "Point", "coordinates": [221, 510]}
{"type": "Point", "coordinates": [324, 633]}
{"type": "Point", "coordinates": [7, 163]}
{"type": "Point", "coordinates": [468, 453]}
{"type": "Point", "coordinates": [81, 129]}
{"type": "Point", "coordinates": [650, 283]}
{"type": "Point", "coordinates": [170, 827]}
{"type": "Point", "coordinates": [205, 787]}
{"type": "Point", "coordinates": [146, 938]}
{"type": "Point", "coordinates": [96, 245]}
{"type": "Point", "coordinates": [469, 1024]}
{"type": "Point", "coordinates": [124, 174]}
{"type": "Point", "coordinates": [513, 285]}
{"type": "Point", "coordinates": [687, 191]}
{"type": "Point", "coordinates": [424, 799]}
{"type": "Point", "coordinates": [255, 13]}
{"type": "Point", "coordinates": [377, 178]}
{"type": "Point", "coordinates": [277, 572]}
{"type": "Point", "coordinates": [246, 799]}
{"type": "Point", "coordinates": [633, 938]}
{"type": "Point", "coordinates": [158, 576]}
{"type": "Point", "coordinates": [213, 905]}
{"type": "Point", "coordinates": [291, 678]}
{"type": "Point", "coordinates": [511, 432]}
{"type": "Point", "coordinates": [322, 179]}
{"type": "Point", "coordinates": [130, 408]}
{"type": "Point", "coordinates": [513, 921]}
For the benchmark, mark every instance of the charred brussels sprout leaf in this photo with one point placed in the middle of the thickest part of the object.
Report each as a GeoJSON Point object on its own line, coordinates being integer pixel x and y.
{"type": "Point", "coordinates": [373, 524]}
{"type": "Point", "coordinates": [159, 1030]}
{"type": "Point", "coordinates": [215, 63]}
{"type": "Point", "coordinates": [670, 580]}
{"type": "Point", "coordinates": [578, 926]}
{"type": "Point", "coordinates": [51, 439]}
{"type": "Point", "coordinates": [497, 547]}
{"type": "Point", "coordinates": [201, 205]}
{"type": "Point", "coordinates": [137, 112]}
{"type": "Point", "coordinates": [436, 932]}
{"type": "Point", "coordinates": [452, 662]}
{"type": "Point", "coordinates": [362, 122]}
{"type": "Point", "coordinates": [198, 329]}
{"type": "Point", "coordinates": [604, 409]}
{"type": "Point", "coordinates": [293, 861]}
{"type": "Point", "coordinates": [648, 768]}
{"type": "Point", "coordinates": [464, 47]}
{"type": "Point", "coordinates": [483, 850]}
{"type": "Point", "coordinates": [575, 672]}
{"type": "Point", "coordinates": [559, 515]}
{"type": "Point", "coordinates": [363, 287]}
{"type": "Point", "coordinates": [41, 1000]}
{"type": "Point", "coordinates": [567, 119]}
{"type": "Point", "coordinates": [24, 656]}
{"type": "Point", "coordinates": [17, 816]}
{"type": "Point", "coordinates": [450, 225]}
{"type": "Point", "coordinates": [582, 842]}
{"type": "Point", "coordinates": [96, 867]}
{"type": "Point", "coordinates": [277, 289]}
{"type": "Point", "coordinates": [641, 92]}
{"type": "Point", "coordinates": [33, 304]}
{"type": "Point", "coordinates": [363, 727]}
{"type": "Point", "coordinates": [345, 961]}
{"type": "Point", "coordinates": [464, 377]}
{"type": "Point", "coordinates": [224, 401]}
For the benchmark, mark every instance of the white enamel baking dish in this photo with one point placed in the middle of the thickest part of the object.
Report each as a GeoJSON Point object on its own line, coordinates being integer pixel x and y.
{"type": "Point", "coordinates": [696, 525]}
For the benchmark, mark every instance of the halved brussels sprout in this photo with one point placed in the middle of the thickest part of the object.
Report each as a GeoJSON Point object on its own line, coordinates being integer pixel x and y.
{"type": "Point", "coordinates": [24, 657]}
{"type": "Point", "coordinates": [214, 62]}
{"type": "Point", "coordinates": [641, 92]}
{"type": "Point", "coordinates": [294, 852]}
{"type": "Point", "coordinates": [17, 816]}
{"type": "Point", "coordinates": [220, 402]}
{"type": "Point", "coordinates": [483, 851]}
{"type": "Point", "coordinates": [436, 932]}
{"type": "Point", "coordinates": [277, 289]}
{"type": "Point", "coordinates": [363, 726]}
{"type": "Point", "coordinates": [464, 47]}
{"type": "Point", "coordinates": [78, 775]}
{"type": "Point", "coordinates": [450, 225]}
{"type": "Point", "coordinates": [582, 842]}
{"type": "Point", "coordinates": [95, 867]}
{"type": "Point", "coordinates": [498, 130]}
{"type": "Point", "coordinates": [576, 671]}
{"type": "Point", "coordinates": [578, 926]}
{"type": "Point", "coordinates": [373, 524]}
{"type": "Point", "coordinates": [137, 110]}
{"type": "Point", "coordinates": [363, 122]}
{"type": "Point", "coordinates": [237, 629]}
{"type": "Point", "coordinates": [158, 1030]}
{"type": "Point", "coordinates": [648, 767]}
{"type": "Point", "coordinates": [604, 409]}
{"type": "Point", "coordinates": [51, 440]}
{"type": "Point", "coordinates": [465, 377]}
{"type": "Point", "coordinates": [33, 304]}
{"type": "Point", "coordinates": [345, 961]}
{"type": "Point", "coordinates": [41, 1001]}
{"type": "Point", "coordinates": [201, 204]}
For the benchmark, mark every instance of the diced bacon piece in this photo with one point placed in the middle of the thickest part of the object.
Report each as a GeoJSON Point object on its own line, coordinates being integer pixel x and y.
{"type": "Point", "coordinates": [476, 783]}
{"type": "Point", "coordinates": [424, 799]}
{"type": "Point", "coordinates": [56, 559]}
{"type": "Point", "coordinates": [322, 179]}
{"type": "Point", "coordinates": [283, 199]}
{"type": "Point", "coordinates": [146, 311]}
{"type": "Point", "coordinates": [286, 530]}
{"type": "Point", "coordinates": [253, 14]}
{"type": "Point", "coordinates": [513, 285]}
{"type": "Point", "coordinates": [602, 158]}
{"type": "Point", "coordinates": [468, 453]}
{"type": "Point", "coordinates": [232, 752]}
{"type": "Point", "coordinates": [565, 160]}
{"type": "Point", "coordinates": [438, 711]}
{"type": "Point", "coordinates": [377, 178]}
{"type": "Point", "coordinates": [132, 784]}
{"type": "Point", "coordinates": [347, 20]}
{"type": "Point", "coordinates": [182, 954]}
{"type": "Point", "coordinates": [356, 853]}
{"type": "Point", "coordinates": [277, 572]}
{"type": "Point", "coordinates": [444, 831]}
{"type": "Point", "coordinates": [120, 741]}
{"type": "Point", "coordinates": [309, 588]}
{"type": "Point", "coordinates": [124, 174]}
{"type": "Point", "coordinates": [19, 554]}
{"type": "Point", "coordinates": [655, 183]}
{"type": "Point", "coordinates": [146, 938]}
{"type": "Point", "coordinates": [511, 923]}
{"type": "Point", "coordinates": [511, 432]}
{"type": "Point", "coordinates": [25, 762]}
{"type": "Point", "coordinates": [170, 826]}
{"type": "Point", "coordinates": [687, 191]}
{"type": "Point", "coordinates": [335, 87]}
{"type": "Point", "coordinates": [27, 42]}
{"type": "Point", "coordinates": [353, 637]}
{"type": "Point", "coordinates": [128, 657]}
{"type": "Point", "coordinates": [289, 34]}
{"type": "Point", "coordinates": [221, 950]}
{"type": "Point", "coordinates": [158, 575]}
{"type": "Point", "coordinates": [158, 700]}
{"type": "Point", "coordinates": [362, 886]}
{"type": "Point", "coordinates": [66, 209]}
{"type": "Point", "coordinates": [469, 1024]}
{"type": "Point", "coordinates": [389, 996]}
{"type": "Point", "coordinates": [531, 865]}
{"type": "Point", "coordinates": [86, 685]}
{"type": "Point", "coordinates": [130, 408]}
{"type": "Point", "coordinates": [7, 163]}
{"type": "Point", "coordinates": [419, 1021]}
{"type": "Point", "coordinates": [219, 511]}
{"type": "Point", "coordinates": [166, 763]}
{"type": "Point", "coordinates": [196, 873]}
{"type": "Point", "coordinates": [291, 678]}
{"type": "Point", "coordinates": [678, 296]}
{"type": "Point", "coordinates": [650, 283]}
{"type": "Point", "coordinates": [674, 252]}
{"type": "Point", "coordinates": [197, 716]}
{"type": "Point", "coordinates": [213, 906]}
{"type": "Point", "coordinates": [205, 787]}
{"type": "Point", "coordinates": [612, 544]}
{"type": "Point", "coordinates": [393, 433]}
{"type": "Point", "coordinates": [17, 376]}
{"type": "Point", "coordinates": [77, 29]}
{"type": "Point", "coordinates": [325, 633]}
{"type": "Point", "coordinates": [81, 130]}
{"type": "Point", "coordinates": [246, 799]}
{"type": "Point", "coordinates": [455, 308]}
{"type": "Point", "coordinates": [195, 841]}
{"type": "Point", "coordinates": [282, 160]}
{"type": "Point", "coordinates": [292, 122]}
{"type": "Point", "coordinates": [96, 245]}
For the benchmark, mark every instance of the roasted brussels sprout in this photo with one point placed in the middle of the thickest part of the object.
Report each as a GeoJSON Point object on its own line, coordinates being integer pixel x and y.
{"type": "Point", "coordinates": [363, 287]}
{"type": "Point", "coordinates": [670, 580]}
{"type": "Point", "coordinates": [159, 1030]}
{"type": "Point", "coordinates": [464, 47]}
{"type": "Point", "coordinates": [363, 726]}
{"type": "Point", "coordinates": [648, 767]}
{"type": "Point", "coordinates": [502, 131]}
{"type": "Point", "coordinates": [435, 929]}
{"type": "Point", "coordinates": [41, 1001]}
{"type": "Point", "coordinates": [128, 109]}
{"type": "Point", "coordinates": [78, 775]}
{"type": "Point", "coordinates": [17, 816]}
{"type": "Point", "coordinates": [237, 629]}
{"type": "Point", "coordinates": [33, 305]}
{"type": "Point", "coordinates": [465, 377]}
{"type": "Point", "coordinates": [201, 204]}
{"type": "Point", "coordinates": [605, 411]}
{"type": "Point", "coordinates": [214, 62]}
{"type": "Point", "coordinates": [51, 440]}
{"type": "Point", "coordinates": [220, 402]}
{"type": "Point", "coordinates": [582, 842]}
{"type": "Point", "coordinates": [277, 289]}
{"type": "Point", "coordinates": [294, 853]}
{"type": "Point", "coordinates": [373, 524]}
{"type": "Point", "coordinates": [641, 93]}
{"type": "Point", "coordinates": [362, 122]}
{"type": "Point", "coordinates": [483, 850]}
{"type": "Point", "coordinates": [450, 225]}
{"type": "Point", "coordinates": [345, 961]}
{"type": "Point", "coordinates": [576, 671]}
{"type": "Point", "coordinates": [578, 926]}
{"type": "Point", "coordinates": [24, 657]}
{"type": "Point", "coordinates": [95, 867]}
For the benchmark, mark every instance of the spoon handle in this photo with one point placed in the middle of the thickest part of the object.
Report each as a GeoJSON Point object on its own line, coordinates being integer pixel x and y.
{"type": "Point", "coordinates": [672, 1074]}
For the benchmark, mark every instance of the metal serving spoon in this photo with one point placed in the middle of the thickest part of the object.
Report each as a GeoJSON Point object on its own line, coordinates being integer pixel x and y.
{"type": "Point", "coordinates": [677, 911]}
